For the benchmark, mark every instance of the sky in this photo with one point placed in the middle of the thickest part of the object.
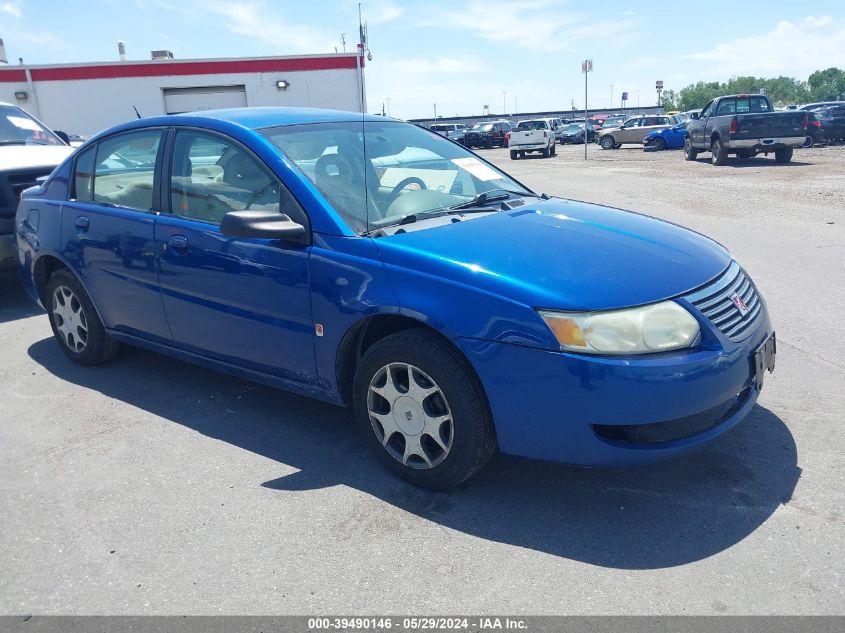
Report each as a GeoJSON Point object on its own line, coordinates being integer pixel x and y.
{"type": "Point", "coordinates": [512, 55]}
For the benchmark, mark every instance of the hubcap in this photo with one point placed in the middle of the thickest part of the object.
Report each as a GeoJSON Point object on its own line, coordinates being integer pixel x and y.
{"type": "Point", "coordinates": [410, 415]}
{"type": "Point", "coordinates": [70, 320]}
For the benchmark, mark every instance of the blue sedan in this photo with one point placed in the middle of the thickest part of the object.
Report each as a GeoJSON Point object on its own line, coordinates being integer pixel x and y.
{"type": "Point", "coordinates": [670, 138]}
{"type": "Point", "coordinates": [372, 263]}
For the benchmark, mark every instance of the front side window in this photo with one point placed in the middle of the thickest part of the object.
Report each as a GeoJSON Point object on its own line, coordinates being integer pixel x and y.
{"type": "Point", "coordinates": [211, 176]}
{"type": "Point", "coordinates": [83, 175]}
{"type": "Point", "coordinates": [375, 173]}
{"type": "Point", "coordinates": [125, 169]}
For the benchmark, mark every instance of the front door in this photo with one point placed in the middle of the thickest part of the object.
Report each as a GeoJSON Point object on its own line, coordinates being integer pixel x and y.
{"type": "Point", "coordinates": [108, 231]}
{"type": "Point", "coordinates": [239, 300]}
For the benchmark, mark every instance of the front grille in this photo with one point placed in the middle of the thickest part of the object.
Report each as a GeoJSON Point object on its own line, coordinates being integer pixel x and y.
{"type": "Point", "coordinates": [716, 302]}
{"type": "Point", "coordinates": [12, 184]}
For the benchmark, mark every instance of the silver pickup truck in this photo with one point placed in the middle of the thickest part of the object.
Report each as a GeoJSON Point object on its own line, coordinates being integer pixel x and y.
{"type": "Point", "coordinates": [744, 125]}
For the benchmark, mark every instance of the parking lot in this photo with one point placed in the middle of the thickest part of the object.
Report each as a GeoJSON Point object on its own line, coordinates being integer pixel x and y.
{"type": "Point", "coordinates": [152, 486]}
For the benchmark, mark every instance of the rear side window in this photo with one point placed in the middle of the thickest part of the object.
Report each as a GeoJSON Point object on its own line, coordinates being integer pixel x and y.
{"type": "Point", "coordinates": [83, 177]}
{"type": "Point", "coordinates": [125, 169]}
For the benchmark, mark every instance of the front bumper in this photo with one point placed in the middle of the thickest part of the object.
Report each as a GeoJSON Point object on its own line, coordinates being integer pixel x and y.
{"type": "Point", "coordinates": [559, 406]}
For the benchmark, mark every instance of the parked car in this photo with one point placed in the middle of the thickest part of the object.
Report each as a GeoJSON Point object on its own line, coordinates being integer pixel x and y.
{"type": "Point", "coordinates": [488, 134]}
{"type": "Point", "coordinates": [454, 131]}
{"type": "Point", "coordinates": [815, 132]}
{"type": "Point", "coordinates": [532, 135]}
{"type": "Point", "coordinates": [685, 117]}
{"type": "Point", "coordinates": [744, 125]}
{"type": "Point", "coordinates": [821, 104]}
{"type": "Point", "coordinates": [633, 130]}
{"type": "Point", "coordinates": [362, 261]}
{"type": "Point", "coordinates": [28, 151]}
{"type": "Point", "coordinates": [557, 126]}
{"type": "Point", "coordinates": [832, 121]}
{"type": "Point", "coordinates": [669, 138]}
{"type": "Point", "coordinates": [574, 133]}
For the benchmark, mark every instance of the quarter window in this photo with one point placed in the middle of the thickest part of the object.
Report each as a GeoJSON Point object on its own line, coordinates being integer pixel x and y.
{"type": "Point", "coordinates": [83, 177]}
{"type": "Point", "coordinates": [211, 177]}
{"type": "Point", "coordinates": [125, 169]}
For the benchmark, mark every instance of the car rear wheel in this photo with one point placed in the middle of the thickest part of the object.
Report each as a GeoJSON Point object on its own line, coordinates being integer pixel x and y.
{"type": "Point", "coordinates": [808, 141]}
{"type": "Point", "coordinates": [553, 149]}
{"type": "Point", "coordinates": [718, 155]}
{"type": "Point", "coordinates": [690, 153]}
{"type": "Point", "coordinates": [75, 322]}
{"type": "Point", "coordinates": [421, 409]}
{"type": "Point", "coordinates": [783, 155]}
{"type": "Point", "coordinates": [545, 152]}
{"type": "Point", "coordinates": [488, 143]}
{"type": "Point", "coordinates": [514, 154]}
{"type": "Point", "coordinates": [607, 142]}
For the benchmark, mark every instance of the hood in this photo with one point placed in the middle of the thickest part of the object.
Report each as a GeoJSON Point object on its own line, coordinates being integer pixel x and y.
{"type": "Point", "coordinates": [26, 156]}
{"type": "Point", "coordinates": [563, 254]}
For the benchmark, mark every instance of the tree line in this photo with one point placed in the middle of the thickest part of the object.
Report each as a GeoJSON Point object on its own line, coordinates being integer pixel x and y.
{"type": "Point", "coordinates": [822, 85]}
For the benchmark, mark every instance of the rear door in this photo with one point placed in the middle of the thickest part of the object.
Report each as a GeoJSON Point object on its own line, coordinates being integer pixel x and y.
{"type": "Point", "coordinates": [239, 300]}
{"type": "Point", "coordinates": [108, 229]}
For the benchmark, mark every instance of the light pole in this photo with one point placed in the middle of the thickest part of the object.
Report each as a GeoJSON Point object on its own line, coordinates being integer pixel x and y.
{"type": "Point", "coordinates": [611, 96]}
{"type": "Point", "coordinates": [388, 106]}
{"type": "Point", "coordinates": [515, 106]}
{"type": "Point", "coordinates": [504, 102]}
{"type": "Point", "coordinates": [435, 113]}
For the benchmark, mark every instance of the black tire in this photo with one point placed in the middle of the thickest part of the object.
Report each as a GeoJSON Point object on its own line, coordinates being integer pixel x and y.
{"type": "Point", "coordinates": [545, 152]}
{"type": "Point", "coordinates": [514, 154]}
{"type": "Point", "coordinates": [718, 155]}
{"type": "Point", "coordinates": [809, 141]}
{"type": "Point", "coordinates": [783, 155]}
{"type": "Point", "coordinates": [522, 154]}
{"type": "Point", "coordinates": [98, 347]}
{"type": "Point", "coordinates": [553, 149]}
{"type": "Point", "coordinates": [607, 142]}
{"type": "Point", "coordinates": [659, 144]}
{"type": "Point", "coordinates": [745, 154]}
{"type": "Point", "coordinates": [488, 143]}
{"type": "Point", "coordinates": [473, 440]}
{"type": "Point", "coordinates": [690, 153]}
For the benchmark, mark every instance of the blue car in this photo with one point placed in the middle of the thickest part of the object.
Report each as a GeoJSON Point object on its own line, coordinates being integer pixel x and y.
{"type": "Point", "coordinates": [670, 138]}
{"type": "Point", "coordinates": [372, 263]}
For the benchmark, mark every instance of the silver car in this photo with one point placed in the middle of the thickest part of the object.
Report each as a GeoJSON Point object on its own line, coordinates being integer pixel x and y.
{"type": "Point", "coordinates": [633, 130]}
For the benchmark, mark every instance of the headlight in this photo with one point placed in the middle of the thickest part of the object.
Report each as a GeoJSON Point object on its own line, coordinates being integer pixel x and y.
{"type": "Point", "coordinates": [658, 327]}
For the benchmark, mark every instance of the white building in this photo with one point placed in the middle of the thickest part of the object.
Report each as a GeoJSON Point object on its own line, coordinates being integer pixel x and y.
{"type": "Point", "coordinates": [86, 98]}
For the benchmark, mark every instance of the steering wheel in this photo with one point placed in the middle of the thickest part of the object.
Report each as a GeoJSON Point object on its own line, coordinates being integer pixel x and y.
{"type": "Point", "coordinates": [410, 180]}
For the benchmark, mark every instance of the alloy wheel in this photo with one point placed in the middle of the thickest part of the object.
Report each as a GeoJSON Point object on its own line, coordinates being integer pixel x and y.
{"type": "Point", "coordinates": [410, 416]}
{"type": "Point", "coordinates": [70, 319]}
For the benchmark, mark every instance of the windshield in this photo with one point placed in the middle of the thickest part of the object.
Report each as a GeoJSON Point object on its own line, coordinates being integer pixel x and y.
{"type": "Point", "coordinates": [407, 169]}
{"type": "Point", "coordinates": [18, 128]}
{"type": "Point", "coordinates": [484, 127]}
{"type": "Point", "coordinates": [575, 127]}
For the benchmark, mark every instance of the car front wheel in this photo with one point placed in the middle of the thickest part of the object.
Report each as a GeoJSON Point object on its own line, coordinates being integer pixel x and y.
{"type": "Point", "coordinates": [690, 153]}
{"type": "Point", "coordinates": [607, 142]}
{"type": "Point", "coordinates": [421, 409]}
{"type": "Point", "coordinates": [75, 322]}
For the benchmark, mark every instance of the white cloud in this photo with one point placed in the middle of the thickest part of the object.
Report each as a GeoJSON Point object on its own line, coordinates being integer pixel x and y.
{"type": "Point", "coordinates": [795, 49]}
{"type": "Point", "coordinates": [545, 25]}
{"type": "Point", "coordinates": [12, 8]}
{"type": "Point", "coordinates": [382, 12]}
{"type": "Point", "coordinates": [253, 19]}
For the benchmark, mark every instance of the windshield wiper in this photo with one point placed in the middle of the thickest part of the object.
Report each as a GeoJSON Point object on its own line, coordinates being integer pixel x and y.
{"type": "Point", "coordinates": [488, 196]}
{"type": "Point", "coordinates": [12, 141]}
{"type": "Point", "coordinates": [425, 215]}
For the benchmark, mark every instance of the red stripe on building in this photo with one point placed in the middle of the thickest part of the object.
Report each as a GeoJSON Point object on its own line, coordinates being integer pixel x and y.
{"type": "Point", "coordinates": [163, 68]}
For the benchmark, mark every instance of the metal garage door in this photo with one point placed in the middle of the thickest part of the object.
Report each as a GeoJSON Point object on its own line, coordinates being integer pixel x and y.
{"type": "Point", "coordinates": [178, 100]}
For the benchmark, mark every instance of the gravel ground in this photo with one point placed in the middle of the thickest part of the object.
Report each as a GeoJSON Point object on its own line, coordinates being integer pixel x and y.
{"type": "Point", "coordinates": [151, 486]}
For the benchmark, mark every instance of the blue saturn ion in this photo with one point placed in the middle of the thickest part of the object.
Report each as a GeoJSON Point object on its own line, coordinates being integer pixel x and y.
{"type": "Point", "coordinates": [372, 263]}
{"type": "Point", "coordinates": [669, 138]}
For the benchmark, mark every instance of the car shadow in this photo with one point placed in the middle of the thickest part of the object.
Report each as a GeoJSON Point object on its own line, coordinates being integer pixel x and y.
{"type": "Point", "coordinates": [647, 517]}
{"type": "Point", "coordinates": [758, 161]}
{"type": "Point", "coordinates": [14, 302]}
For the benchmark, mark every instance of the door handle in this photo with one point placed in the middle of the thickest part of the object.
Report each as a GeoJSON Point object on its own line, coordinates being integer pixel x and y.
{"type": "Point", "coordinates": [82, 223]}
{"type": "Point", "coordinates": [178, 242]}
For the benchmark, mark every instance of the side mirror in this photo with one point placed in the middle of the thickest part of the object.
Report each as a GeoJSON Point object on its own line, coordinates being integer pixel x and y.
{"type": "Point", "coordinates": [694, 116]}
{"type": "Point", "coordinates": [263, 224]}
